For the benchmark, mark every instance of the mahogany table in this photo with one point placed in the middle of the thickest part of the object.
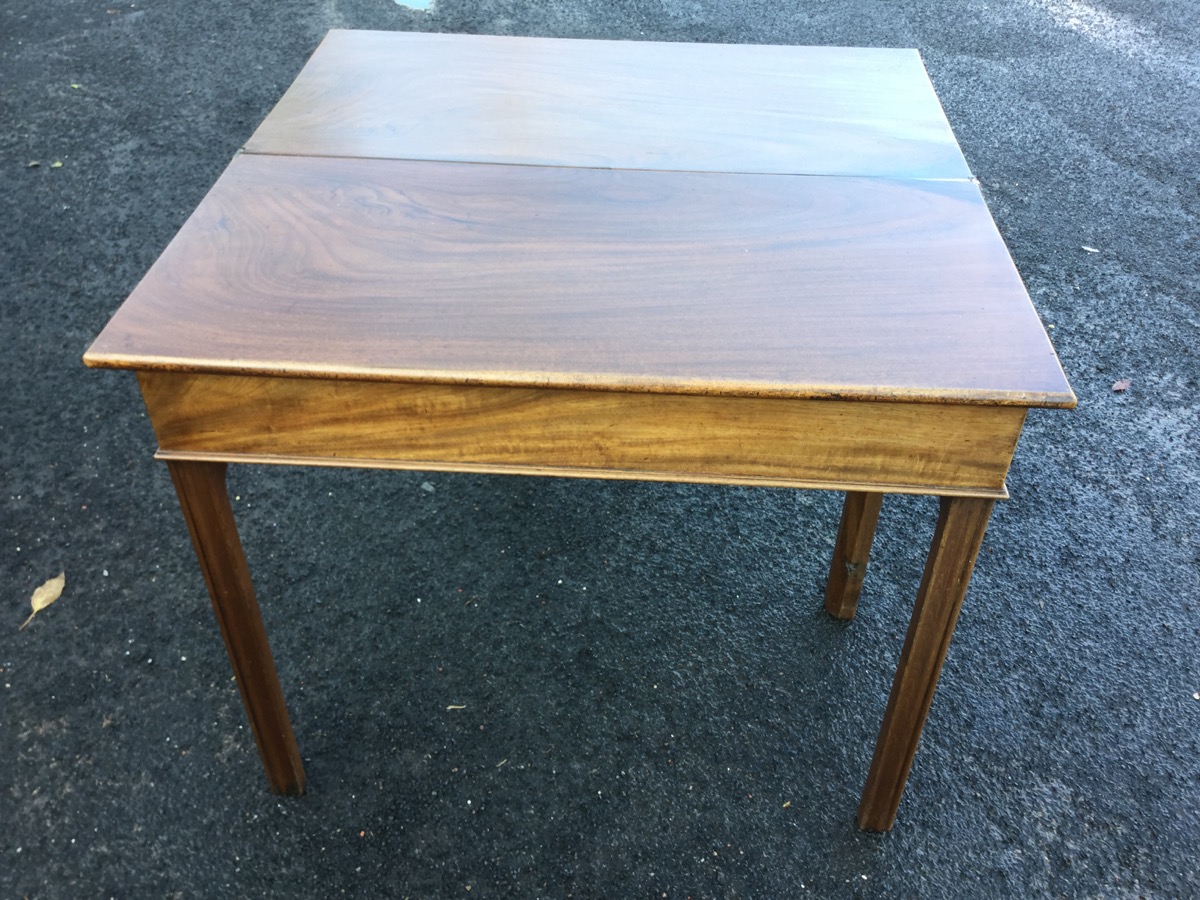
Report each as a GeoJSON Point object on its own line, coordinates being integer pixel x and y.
{"type": "Point", "coordinates": [750, 265]}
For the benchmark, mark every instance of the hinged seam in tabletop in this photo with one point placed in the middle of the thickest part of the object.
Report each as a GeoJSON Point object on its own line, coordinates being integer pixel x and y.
{"type": "Point", "coordinates": [901, 179]}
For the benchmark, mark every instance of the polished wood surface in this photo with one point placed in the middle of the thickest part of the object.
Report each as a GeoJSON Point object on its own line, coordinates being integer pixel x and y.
{"type": "Point", "coordinates": [961, 524]}
{"type": "Point", "coordinates": [205, 503]}
{"type": "Point", "coordinates": [851, 553]}
{"type": "Point", "coordinates": [909, 447]}
{"type": "Point", "coordinates": [615, 104]}
{"type": "Point", "coordinates": [644, 281]}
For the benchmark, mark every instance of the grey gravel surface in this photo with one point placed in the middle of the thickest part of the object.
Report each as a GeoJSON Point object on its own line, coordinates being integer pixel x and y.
{"type": "Point", "coordinates": [655, 704]}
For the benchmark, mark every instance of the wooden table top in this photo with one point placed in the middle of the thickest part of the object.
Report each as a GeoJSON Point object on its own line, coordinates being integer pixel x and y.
{"type": "Point", "coordinates": [615, 104]}
{"type": "Point", "coordinates": [760, 221]}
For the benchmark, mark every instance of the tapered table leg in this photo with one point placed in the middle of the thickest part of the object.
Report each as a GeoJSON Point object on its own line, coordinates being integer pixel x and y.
{"type": "Point", "coordinates": [205, 502]}
{"type": "Point", "coordinates": [956, 541]}
{"type": "Point", "coordinates": [860, 513]}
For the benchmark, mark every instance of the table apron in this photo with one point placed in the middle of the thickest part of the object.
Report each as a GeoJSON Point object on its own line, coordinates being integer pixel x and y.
{"type": "Point", "coordinates": [946, 449]}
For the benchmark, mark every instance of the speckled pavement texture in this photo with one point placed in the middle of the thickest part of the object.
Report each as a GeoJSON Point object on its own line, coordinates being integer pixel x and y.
{"type": "Point", "coordinates": [655, 703]}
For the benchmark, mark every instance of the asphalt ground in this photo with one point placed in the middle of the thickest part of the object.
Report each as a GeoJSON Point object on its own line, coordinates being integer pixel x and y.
{"type": "Point", "coordinates": [655, 703]}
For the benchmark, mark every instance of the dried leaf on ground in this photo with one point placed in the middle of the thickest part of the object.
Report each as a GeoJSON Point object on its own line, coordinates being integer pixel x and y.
{"type": "Point", "coordinates": [46, 593]}
{"type": "Point", "coordinates": [1121, 386]}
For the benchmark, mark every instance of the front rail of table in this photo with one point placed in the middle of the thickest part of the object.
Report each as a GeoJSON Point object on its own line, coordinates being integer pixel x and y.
{"type": "Point", "coordinates": [960, 453]}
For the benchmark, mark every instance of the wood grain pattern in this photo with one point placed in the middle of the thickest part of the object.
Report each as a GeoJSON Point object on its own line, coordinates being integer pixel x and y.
{"type": "Point", "coordinates": [909, 447]}
{"type": "Point", "coordinates": [851, 553]}
{"type": "Point", "coordinates": [642, 281]}
{"type": "Point", "coordinates": [956, 541]}
{"type": "Point", "coordinates": [615, 104]}
{"type": "Point", "coordinates": [205, 503]}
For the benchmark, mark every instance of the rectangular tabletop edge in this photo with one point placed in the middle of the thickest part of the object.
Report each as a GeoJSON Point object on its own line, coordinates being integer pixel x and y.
{"type": "Point", "coordinates": [337, 33]}
{"type": "Point", "coordinates": [588, 381]}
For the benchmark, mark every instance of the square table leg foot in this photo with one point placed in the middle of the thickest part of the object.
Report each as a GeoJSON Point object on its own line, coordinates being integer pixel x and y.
{"type": "Point", "coordinates": [860, 513]}
{"type": "Point", "coordinates": [205, 503]}
{"type": "Point", "coordinates": [962, 522]}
